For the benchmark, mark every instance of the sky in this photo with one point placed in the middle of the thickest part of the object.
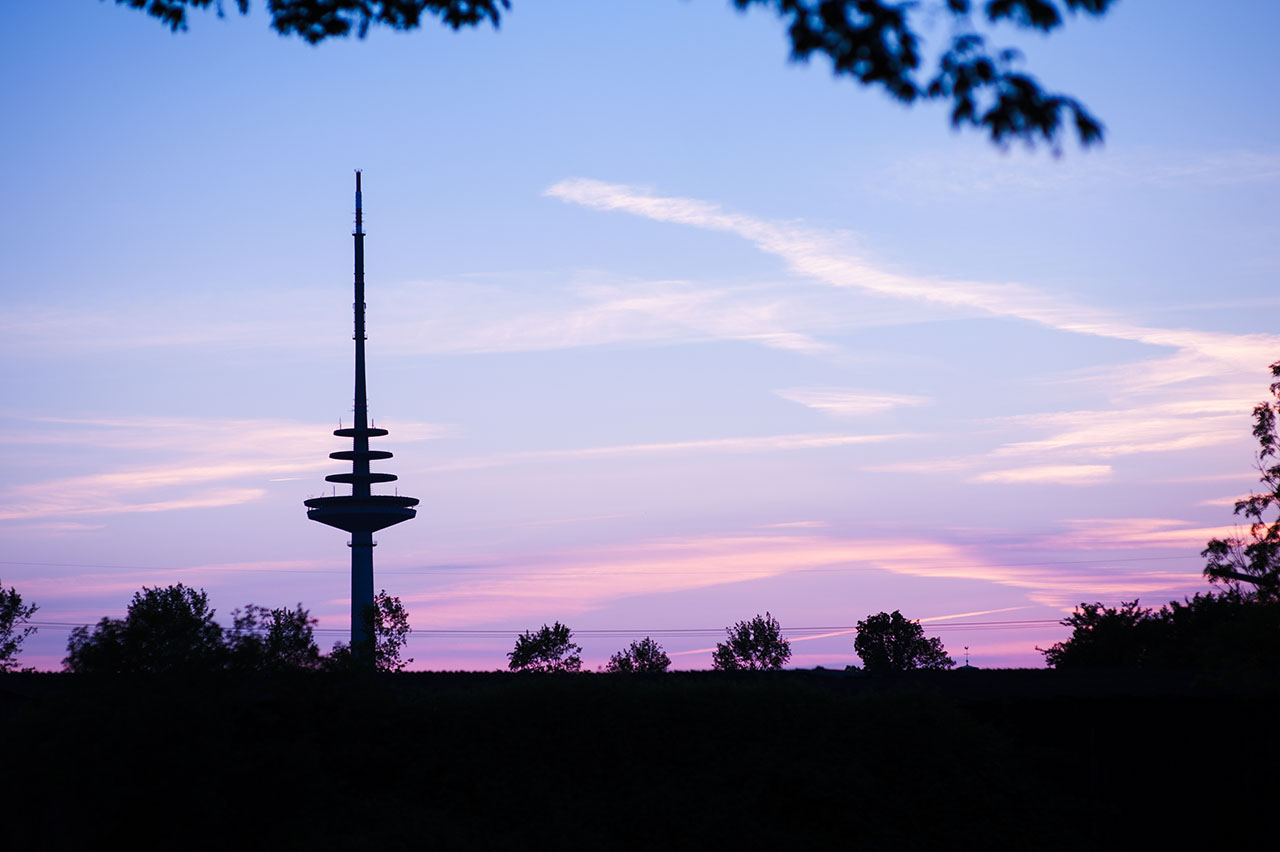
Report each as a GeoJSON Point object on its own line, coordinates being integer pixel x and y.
{"type": "Point", "coordinates": [667, 331]}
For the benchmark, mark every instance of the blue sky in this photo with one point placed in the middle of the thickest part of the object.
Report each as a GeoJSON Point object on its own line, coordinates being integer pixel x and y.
{"type": "Point", "coordinates": [667, 330]}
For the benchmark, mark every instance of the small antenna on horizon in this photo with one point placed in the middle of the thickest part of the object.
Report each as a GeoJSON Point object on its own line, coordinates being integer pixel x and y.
{"type": "Point", "coordinates": [966, 655]}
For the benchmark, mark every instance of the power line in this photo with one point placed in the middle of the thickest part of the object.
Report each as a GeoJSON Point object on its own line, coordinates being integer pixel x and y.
{"type": "Point", "coordinates": [655, 632]}
{"type": "Point", "coordinates": [518, 572]}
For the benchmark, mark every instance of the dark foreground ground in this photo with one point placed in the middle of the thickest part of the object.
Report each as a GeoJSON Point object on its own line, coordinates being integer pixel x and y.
{"type": "Point", "coordinates": [793, 760]}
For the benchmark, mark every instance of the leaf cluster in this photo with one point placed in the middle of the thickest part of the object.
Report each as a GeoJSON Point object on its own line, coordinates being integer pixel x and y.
{"type": "Point", "coordinates": [876, 42]}
{"type": "Point", "coordinates": [1251, 562]}
{"type": "Point", "coordinates": [888, 642]}
{"type": "Point", "coordinates": [14, 629]}
{"type": "Point", "coordinates": [550, 649]}
{"type": "Point", "coordinates": [316, 20]}
{"type": "Point", "coordinates": [755, 645]}
{"type": "Point", "coordinates": [642, 657]}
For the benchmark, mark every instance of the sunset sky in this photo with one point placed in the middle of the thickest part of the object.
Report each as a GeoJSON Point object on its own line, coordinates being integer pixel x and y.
{"type": "Point", "coordinates": [667, 331]}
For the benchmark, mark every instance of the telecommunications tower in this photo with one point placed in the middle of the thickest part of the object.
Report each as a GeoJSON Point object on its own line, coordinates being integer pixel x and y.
{"type": "Point", "coordinates": [361, 513]}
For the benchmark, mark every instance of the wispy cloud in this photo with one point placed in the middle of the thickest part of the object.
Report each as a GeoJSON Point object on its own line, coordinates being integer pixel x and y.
{"type": "Point", "coordinates": [121, 581]}
{"type": "Point", "coordinates": [763, 444]}
{"type": "Point", "coordinates": [512, 591]}
{"type": "Point", "coordinates": [1195, 393]}
{"type": "Point", "coordinates": [59, 527]}
{"type": "Point", "coordinates": [849, 632]}
{"type": "Point", "coordinates": [846, 402]}
{"type": "Point", "coordinates": [558, 521]}
{"type": "Point", "coordinates": [798, 524]}
{"type": "Point", "coordinates": [1050, 474]}
{"type": "Point", "coordinates": [931, 176]}
{"type": "Point", "coordinates": [1222, 501]}
{"type": "Point", "coordinates": [174, 463]}
{"type": "Point", "coordinates": [831, 257]}
{"type": "Point", "coordinates": [1129, 533]}
{"type": "Point", "coordinates": [474, 316]}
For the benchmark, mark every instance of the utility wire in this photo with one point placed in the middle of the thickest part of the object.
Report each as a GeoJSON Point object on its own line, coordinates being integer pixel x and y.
{"type": "Point", "coordinates": [517, 572]}
{"type": "Point", "coordinates": [658, 632]}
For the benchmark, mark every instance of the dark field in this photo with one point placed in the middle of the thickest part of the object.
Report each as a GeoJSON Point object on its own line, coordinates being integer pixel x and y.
{"type": "Point", "coordinates": [792, 760]}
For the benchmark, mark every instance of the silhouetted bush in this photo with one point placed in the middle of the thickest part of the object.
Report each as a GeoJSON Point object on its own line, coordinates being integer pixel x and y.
{"type": "Point", "coordinates": [645, 655]}
{"type": "Point", "coordinates": [548, 650]}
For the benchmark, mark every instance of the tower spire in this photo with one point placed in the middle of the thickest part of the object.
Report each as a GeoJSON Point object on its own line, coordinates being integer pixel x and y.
{"type": "Point", "coordinates": [361, 513]}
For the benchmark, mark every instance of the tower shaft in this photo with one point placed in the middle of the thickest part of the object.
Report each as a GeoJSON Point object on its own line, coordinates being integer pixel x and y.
{"type": "Point", "coordinates": [361, 513]}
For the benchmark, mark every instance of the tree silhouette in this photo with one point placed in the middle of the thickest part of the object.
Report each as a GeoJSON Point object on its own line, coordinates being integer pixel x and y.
{"type": "Point", "coordinates": [387, 632]}
{"type": "Point", "coordinates": [754, 645]}
{"type": "Point", "coordinates": [643, 656]}
{"type": "Point", "coordinates": [165, 630]}
{"type": "Point", "coordinates": [548, 650]}
{"type": "Point", "coordinates": [1103, 637]}
{"type": "Point", "coordinates": [272, 640]}
{"type": "Point", "coordinates": [13, 626]}
{"type": "Point", "coordinates": [876, 42]}
{"type": "Point", "coordinates": [1251, 564]}
{"type": "Point", "coordinates": [887, 642]}
{"type": "Point", "coordinates": [1211, 631]}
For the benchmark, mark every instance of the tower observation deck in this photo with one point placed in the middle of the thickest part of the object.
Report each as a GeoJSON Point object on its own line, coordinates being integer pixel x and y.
{"type": "Point", "coordinates": [361, 513]}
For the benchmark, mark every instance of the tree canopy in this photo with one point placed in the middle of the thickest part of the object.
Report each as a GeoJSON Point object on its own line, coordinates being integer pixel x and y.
{"type": "Point", "coordinates": [888, 642]}
{"type": "Point", "coordinates": [262, 639]}
{"type": "Point", "coordinates": [643, 656]}
{"type": "Point", "coordinates": [1102, 637]}
{"type": "Point", "coordinates": [172, 629]}
{"type": "Point", "coordinates": [755, 645]}
{"type": "Point", "coordinates": [878, 43]}
{"type": "Point", "coordinates": [14, 630]}
{"type": "Point", "coordinates": [1225, 630]}
{"type": "Point", "coordinates": [1251, 563]}
{"type": "Point", "coordinates": [165, 630]}
{"type": "Point", "coordinates": [550, 649]}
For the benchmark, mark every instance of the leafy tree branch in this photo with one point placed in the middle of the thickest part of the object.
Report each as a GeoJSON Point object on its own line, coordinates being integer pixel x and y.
{"type": "Point", "coordinates": [876, 42]}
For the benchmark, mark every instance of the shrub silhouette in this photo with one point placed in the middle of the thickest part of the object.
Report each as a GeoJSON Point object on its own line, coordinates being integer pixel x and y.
{"type": "Point", "coordinates": [643, 656]}
{"type": "Point", "coordinates": [13, 626]}
{"type": "Point", "coordinates": [548, 650]}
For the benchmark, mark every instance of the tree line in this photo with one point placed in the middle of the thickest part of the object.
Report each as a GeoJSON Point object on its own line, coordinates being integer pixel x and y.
{"type": "Point", "coordinates": [1235, 624]}
{"type": "Point", "coordinates": [885, 642]}
{"type": "Point", "coordinates": [172, 629]}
